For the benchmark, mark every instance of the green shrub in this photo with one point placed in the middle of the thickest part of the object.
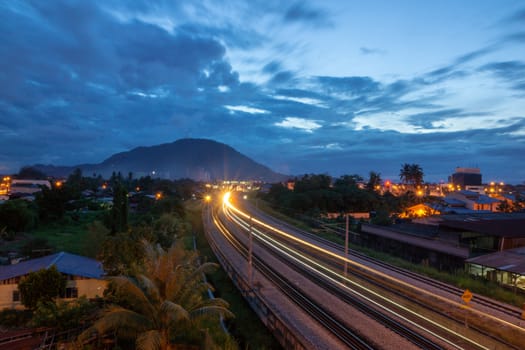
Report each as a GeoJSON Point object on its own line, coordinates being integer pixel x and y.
{"type": "Point", "coordinates": [14, 318]}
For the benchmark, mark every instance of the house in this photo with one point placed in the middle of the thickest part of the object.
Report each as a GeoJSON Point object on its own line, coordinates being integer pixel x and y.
{"type": "Point", "coordinates": [419, 210]}
{"type": "Point", "coordinates": [84, 277]}
{"type": "Point", "coordinates": [474, 201]}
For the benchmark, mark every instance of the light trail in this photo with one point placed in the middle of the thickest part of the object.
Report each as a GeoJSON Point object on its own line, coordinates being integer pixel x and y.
{"type": "Point", "coordinates": [227, 203]}
{"type": "Point", "coordinates": [289, 252]}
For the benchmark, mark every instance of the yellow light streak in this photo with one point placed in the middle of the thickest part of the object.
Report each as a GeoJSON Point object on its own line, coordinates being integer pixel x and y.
{"type": "Point", "coordinates": [344, 259]}
{"type": "Point", "coordinates": [276, 245]}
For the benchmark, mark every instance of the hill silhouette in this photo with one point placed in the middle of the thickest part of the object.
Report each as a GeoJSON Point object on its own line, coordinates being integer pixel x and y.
{"type": "Point", "coordinates": [197, 159]}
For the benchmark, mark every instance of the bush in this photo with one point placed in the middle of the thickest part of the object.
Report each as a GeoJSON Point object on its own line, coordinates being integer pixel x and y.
{"type": "Point", "coordinates": [36, 247]}
{"type": "Point", "coordinates": [63, 315]}
{"type": "Point", "coordinates": [14, 318]}
{"type": "Point", "coordinates": [41, 286]}
{"type": "Point", "coordinates": [16, 216]}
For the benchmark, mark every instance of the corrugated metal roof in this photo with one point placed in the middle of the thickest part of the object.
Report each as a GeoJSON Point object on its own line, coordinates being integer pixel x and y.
{"type": "Point", "coordinates": [66, 263]}
{"type": "Point", "coordinates": [512, 260]}
{"type": "Point", "coordinates": [486, 200]}
{"type": "Point", "coordinates": [453, 201]}
{"type": "Point", "coordinates": [495, 227]}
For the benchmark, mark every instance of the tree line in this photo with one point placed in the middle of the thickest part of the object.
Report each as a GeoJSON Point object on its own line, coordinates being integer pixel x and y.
{"type": "Point", "coordinates": [317, 194]}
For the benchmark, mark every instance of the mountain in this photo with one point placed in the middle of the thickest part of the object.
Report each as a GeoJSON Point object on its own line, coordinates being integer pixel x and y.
{"type": "Point", "coordinates": [198, 159]}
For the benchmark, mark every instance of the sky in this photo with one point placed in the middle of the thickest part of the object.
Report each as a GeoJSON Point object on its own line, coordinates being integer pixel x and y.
{"type": "Point", "coordinates": [333, 87]}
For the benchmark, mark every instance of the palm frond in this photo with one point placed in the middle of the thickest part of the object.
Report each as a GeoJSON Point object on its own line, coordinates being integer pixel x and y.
{"type": "Point", "coordinates": [139, 300]}
{"type": "Point", "coordinates": [150, 340]}
{"type": "Point", "coordinates": [149, 287]}
{"type": "Point", "coordinates": [174, 311]}
{"type": "Point", "coordinates": [211, 310]}
{"type": "Point", "coordinates": [126, 322]}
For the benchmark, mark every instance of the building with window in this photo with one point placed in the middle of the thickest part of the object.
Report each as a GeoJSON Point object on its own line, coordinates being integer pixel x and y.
{"type": "Point", "coordinates": [464, 177]}
{"type": "Point", "coordinates": [84, 277]}
{"type": "Point", "coordinates": [473, 201]}
{"type": "Point", "coordinates": [505, 267]}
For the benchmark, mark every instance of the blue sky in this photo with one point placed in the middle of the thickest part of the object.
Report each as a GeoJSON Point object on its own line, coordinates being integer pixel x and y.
{"type": "Point", "coordinates": [336, 87]}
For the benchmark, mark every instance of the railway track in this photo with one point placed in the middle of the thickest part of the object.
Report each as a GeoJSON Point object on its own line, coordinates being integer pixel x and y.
{"type": "Point", "coordinates": [312, 308]}
{"type": "Point", "coordinates": [337, 327]}
{"type": "Point", "coordinates": [332, 259]}
{"type": "Point", "coordinates": [481, 300]}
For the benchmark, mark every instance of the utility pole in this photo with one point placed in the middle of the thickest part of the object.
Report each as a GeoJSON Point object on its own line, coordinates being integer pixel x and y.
{"type": "Point", "coordinates": [250, 254]}
{"type": "Point", "coordinates": [346, 246]}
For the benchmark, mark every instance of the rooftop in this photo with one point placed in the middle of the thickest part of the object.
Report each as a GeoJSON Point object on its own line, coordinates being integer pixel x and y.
{"type": "Point", "coordinates": [512, 260]}
{"type": "Point", "coordinates": [66, 263]}
{"type": "Point", "coordinates": [503, 225]}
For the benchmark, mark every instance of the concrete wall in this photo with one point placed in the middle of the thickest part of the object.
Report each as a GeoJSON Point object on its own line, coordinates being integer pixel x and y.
{"type": "Point", "coordinates": [6, 297]}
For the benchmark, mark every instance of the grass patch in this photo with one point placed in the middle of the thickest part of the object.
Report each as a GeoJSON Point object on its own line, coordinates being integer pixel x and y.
{"type": "Point", "coordinates": [246, 327]}
{"type": "Point", "coordinates": [69, 234]}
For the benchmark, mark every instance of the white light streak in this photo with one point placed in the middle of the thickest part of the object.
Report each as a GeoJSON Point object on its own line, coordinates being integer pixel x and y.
{"type": "Point", "coordinates": [227, 204]}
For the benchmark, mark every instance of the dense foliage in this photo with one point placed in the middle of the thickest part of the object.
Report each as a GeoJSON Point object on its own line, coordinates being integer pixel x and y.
{"type": "Point", "coordinates": [110, 220]}
{"type": "Point", "coordinates": [320, 194]}
{"type": "Point", "coordinates": [161, 302]}
{"type": "Point", "coordinates": [64, 315]}
{"type": "Point", "coordinates": [16, 216]}
{"type": "Point", "coordinates": [41, 286]}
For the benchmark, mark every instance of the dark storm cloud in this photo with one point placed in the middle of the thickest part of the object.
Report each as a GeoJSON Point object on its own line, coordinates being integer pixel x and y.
{"type": "Point", "coordinates": [76, 75]}
{"type": "Point", "coordinates": [303, 12]}
{"type": "Point", "coordinates": [86, 79]}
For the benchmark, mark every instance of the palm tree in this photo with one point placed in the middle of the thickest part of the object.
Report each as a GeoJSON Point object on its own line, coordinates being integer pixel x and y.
{"type": "Point", "coordinates": [374, 180]}
{"type": "Point", "coordinates": [405, 173]}
{"type": "Point", "coordinates": [165, 298]}
{"type": "Point", "coordinates": [416, 173]}
{"type": "Point", "coordinates": [411, 174]}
